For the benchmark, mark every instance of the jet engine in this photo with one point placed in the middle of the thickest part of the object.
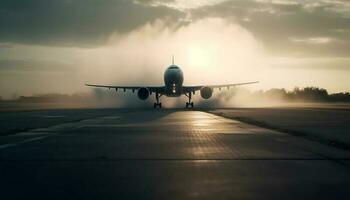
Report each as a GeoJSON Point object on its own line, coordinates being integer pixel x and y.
{"type": "Point", "coordinates": [143, 93]}
{"type": "Point", "coordinates": [206, 92]}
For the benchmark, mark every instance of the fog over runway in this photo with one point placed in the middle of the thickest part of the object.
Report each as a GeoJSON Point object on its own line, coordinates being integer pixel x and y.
{"type": "Point", "coordinates": [165, 154]}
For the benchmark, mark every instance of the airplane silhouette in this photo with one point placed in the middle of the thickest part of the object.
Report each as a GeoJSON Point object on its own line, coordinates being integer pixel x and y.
{"type": "Point", "coordinates": [173, 80]}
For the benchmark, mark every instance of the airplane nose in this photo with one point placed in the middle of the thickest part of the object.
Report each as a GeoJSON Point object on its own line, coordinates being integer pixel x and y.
{"type": "Point", "coordinates": [173, 76]}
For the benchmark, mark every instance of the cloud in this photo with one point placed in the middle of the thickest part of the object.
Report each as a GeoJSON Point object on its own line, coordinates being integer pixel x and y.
{"type": "Point", "coordinates": [315, 63]}
{"type": "Point", "coordinates": [90, 23]}
{"type": "Point", "coordinates": [182, 5]}
{"type": "Point", "coordinates": [141, 56]}
{"type": "Point", "coordinates": [206, 56]}
{"type": "Point", "coordinates": [73, 22]}
{"type": "Point", "coordinates": [30, 65]}
{"type": "Point", "coordinates": [317, 40]}
{"type": "Point", "coordinates": [275, 22]}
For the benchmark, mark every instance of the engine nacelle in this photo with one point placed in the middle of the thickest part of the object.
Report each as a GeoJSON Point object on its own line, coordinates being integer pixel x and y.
{"type": "Point", "coordinates": [206, 92]}
{"type": "Point", "coordinates": [143, 93]}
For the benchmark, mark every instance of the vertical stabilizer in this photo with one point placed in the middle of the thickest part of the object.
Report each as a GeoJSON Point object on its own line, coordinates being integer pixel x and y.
{"type": "Point", "coordinates": [173, 59]}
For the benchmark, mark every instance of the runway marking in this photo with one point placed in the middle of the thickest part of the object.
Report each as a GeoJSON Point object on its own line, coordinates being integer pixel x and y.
{"type": "Point", "coordinates": [4, 146]}
{"type": "Point", "coordinates": [54, 116]}
{"type": "Point", "coordinates": [112, 117]}
{"type": "Point", "coordinates": [48, 129]}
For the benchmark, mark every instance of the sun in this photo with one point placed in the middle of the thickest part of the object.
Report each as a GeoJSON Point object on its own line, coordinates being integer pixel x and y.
{"type": "Point", "coordinates": [199, 56]}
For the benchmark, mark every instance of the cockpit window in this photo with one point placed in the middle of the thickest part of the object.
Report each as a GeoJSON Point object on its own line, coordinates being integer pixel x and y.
{"type": "Point", "coordinates": [174, 67]}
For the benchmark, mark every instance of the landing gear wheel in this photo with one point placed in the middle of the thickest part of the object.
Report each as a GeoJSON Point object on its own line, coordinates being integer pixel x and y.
{"type": "Point", "coordinates": [188, 105]}
{"type": "Point", "coordinates": [157, 103]}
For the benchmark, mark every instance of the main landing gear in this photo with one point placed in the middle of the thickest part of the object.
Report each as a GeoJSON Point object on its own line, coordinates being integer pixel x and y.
{"type": "Point", "coordinates": [189, 103]}
{"type": "Point", "coordinates": [157, 104]}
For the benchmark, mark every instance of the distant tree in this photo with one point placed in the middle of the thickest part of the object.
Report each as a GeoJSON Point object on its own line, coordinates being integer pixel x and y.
{"type": "Point", "coordinates": [310, 94]}
{"type": "Point", "coordinates": [340, 97]}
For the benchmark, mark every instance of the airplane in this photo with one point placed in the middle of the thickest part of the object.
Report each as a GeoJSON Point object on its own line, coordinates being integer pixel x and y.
{"type": "Point", "coordinates": [173, 80]}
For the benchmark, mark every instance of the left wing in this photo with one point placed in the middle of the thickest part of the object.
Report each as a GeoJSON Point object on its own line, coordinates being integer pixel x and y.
{"type": "Point", "coordinates": [188, 89]}
{"type": "Point", "coordinates": [159, 90]}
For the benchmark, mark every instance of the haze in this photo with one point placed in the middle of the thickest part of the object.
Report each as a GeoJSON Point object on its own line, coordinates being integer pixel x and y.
{"type": "Point", "coordinates": [56, 46]}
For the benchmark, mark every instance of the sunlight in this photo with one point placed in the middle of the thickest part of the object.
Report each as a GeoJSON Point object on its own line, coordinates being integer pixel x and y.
{"type": "Point", "coordinates": [228, 55]}
{"type": "Point", "coordinates": [200, 56]}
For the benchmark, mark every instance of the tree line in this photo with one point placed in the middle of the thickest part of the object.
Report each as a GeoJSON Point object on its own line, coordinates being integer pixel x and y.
{"type": "Point", "coordinates": [310, 94]}
{"type": "Point", "coordinates": [307, 94]}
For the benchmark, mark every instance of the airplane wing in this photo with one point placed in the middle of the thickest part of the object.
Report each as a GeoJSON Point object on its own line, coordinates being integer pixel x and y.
{"type": "Point", "coordinates": [160, 90]}
{"type": "Point", "coordinates": [187, 89]}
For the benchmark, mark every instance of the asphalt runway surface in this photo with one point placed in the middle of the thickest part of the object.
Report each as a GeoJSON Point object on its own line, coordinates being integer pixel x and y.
{"type": "Point", "coordinates": [329, 125]}
{"type": "Point", "coordinates": [164, 154]}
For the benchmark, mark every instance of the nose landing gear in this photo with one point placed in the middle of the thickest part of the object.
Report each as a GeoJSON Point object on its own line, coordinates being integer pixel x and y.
{"type": "Point", "coordinates": [157, 104]}
{"type": "Point", "coordinates": [189, 103]}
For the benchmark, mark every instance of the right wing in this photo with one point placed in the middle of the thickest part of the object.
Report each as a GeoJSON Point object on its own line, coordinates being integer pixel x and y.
{"type": "Point", "coordinates": [195, 88]}
{"type": "Point", "coordinates": [159, 90]}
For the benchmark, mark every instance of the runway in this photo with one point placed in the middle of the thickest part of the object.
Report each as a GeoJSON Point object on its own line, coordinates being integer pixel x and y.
{"type": "Point", "coordinates": [167, 154]}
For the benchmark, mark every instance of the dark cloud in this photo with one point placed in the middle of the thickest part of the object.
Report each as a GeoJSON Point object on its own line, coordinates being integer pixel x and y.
{"type": "Point", "coordinates": [74, 22]}
{"type": "Point", "coordinates": [276, 23]}
{"type": "Point", "coordinates": [284, 27]}
{"type": "Point", "coordinates": [154, 2]}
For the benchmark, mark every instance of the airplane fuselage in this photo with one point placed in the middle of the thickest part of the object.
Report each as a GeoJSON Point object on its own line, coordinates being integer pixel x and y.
{"type": "Point", "coordinates": [173, 80]}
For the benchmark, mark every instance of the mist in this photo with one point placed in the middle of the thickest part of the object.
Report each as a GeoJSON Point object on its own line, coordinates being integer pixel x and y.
{"type": "Point", "coordinates": [209, 51]}
{"type": "Point", "coordinates": [141, 57]}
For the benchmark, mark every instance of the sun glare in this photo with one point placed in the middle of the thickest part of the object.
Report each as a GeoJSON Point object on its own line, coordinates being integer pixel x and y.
{"type": "Point", "coordinates": [199, 57]}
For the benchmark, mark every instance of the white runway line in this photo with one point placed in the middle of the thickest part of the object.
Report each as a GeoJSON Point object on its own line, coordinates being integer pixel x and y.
{"type": "Point", "coordinates": [4, 146]}
{"type": "Point", "coordinates": [52, 128]}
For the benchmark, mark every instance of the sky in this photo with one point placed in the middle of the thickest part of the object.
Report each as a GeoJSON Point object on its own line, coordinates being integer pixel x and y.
{"type": "Point", "coordinates": [56, 46]}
